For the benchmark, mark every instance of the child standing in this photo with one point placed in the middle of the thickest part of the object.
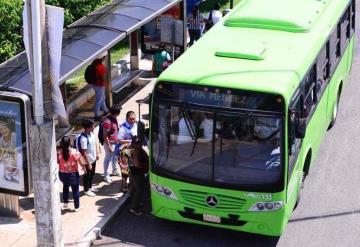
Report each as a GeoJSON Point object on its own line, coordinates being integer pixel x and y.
{"type": "Point", "coordinates": [123, 160]}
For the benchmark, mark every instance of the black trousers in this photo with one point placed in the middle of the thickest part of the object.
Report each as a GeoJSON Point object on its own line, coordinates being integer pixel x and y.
{"type": "Point", "coordinates": [194, 35]}
{"type": "Point", "coordinates": [137, 186]}
{"type": "Point", "coordinates": [88, 177]}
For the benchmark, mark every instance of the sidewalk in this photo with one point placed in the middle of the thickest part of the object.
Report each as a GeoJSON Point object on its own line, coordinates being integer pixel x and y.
{"type": "Point", "coordinates": [79, 228]}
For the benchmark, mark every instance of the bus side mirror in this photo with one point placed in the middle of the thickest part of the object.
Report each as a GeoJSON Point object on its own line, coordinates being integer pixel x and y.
{"type": "Point", "coordinates": [300, 128]}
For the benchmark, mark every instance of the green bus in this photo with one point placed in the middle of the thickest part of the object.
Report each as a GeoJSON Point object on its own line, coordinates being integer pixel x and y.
{"type": "Point", "coordinates": [237, 120]}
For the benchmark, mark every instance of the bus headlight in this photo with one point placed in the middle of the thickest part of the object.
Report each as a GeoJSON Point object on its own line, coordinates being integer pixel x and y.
{"type": "Point", "coordinates": [163, 190]}
{"type": "Point", "coordinates": [266, 206]}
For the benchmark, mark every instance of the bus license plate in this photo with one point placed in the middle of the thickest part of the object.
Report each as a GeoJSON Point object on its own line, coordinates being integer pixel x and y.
{"type": "Point", "coordinates": [211, 218]}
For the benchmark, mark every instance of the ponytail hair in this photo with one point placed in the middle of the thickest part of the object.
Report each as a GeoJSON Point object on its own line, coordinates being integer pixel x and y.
{"type": "Point", "coordinates": [65, 147]}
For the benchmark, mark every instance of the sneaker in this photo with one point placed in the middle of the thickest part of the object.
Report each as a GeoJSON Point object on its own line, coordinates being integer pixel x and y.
{"type": "Point", "coordinates": [135, 212]}
{"type": "Point", "coordinates": [108, 179]}
{"type": "Point", "coordinates": [94, 189]}
{"type": "Point", "coordinates": [65, 206]}
{"type": "Point", "coordinates": [116, 173]}
{"type": "Point", "coordinates": [77, 209]}
{"type": "Point", "coordinates": [89, 193]}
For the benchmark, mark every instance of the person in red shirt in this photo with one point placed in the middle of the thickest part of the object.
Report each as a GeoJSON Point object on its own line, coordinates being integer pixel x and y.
{"type": "Point", "coordinates": [68, 161]}
{"type": "Point", "coordinates": [99, 86]}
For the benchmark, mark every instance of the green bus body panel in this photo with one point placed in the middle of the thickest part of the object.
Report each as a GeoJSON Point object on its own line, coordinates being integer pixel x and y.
{"type": "Point", "coordinates": [246, 52]}
{"type": "Point", "coordinates": [262, 223]}
{"type": "Point", "coordinates": [268, 15]}
{"type": "Point", "coordinates": [272, 56]}
{"type": "Point", "coordinates": [288, 54]}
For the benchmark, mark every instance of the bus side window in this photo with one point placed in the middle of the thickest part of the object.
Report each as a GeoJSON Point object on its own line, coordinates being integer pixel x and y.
{"type": "Point", "coordinates": [322, 70]}
{"type": "Point", "coordinates": [334, 46]}
{"type": "Point", "coordinates": [345, 30]}
{"type": "Point", "coordinates": [294, 143]}
{"type": "Point", "coordinates": [352, 17]}
{"type": "Point", "coordinates": [309, 92]}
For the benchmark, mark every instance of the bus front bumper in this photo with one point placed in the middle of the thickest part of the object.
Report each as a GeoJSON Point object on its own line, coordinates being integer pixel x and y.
{"type": "Point", "coordinates": [264, 223]}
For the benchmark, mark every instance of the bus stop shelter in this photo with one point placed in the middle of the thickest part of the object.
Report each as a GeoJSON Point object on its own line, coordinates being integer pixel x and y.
{"type": "Point", "coordinates": [91, 36]}
{"type": "Point", "coordinates": [85, 40]}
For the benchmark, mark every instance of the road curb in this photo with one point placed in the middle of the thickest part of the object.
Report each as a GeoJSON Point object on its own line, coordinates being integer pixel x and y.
{"type": "Point", "coordinates": [95, 232]}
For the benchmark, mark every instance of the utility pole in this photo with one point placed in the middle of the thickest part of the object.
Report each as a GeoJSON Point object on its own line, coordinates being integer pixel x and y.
{"type": "Point", "coordinates": [42, 133]}
{"type": "Point", "coordinates": [231, 4]}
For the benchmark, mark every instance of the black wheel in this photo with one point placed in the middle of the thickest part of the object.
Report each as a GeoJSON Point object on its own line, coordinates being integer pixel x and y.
{"type": "Point", "coordinates": [334, 112]}
{"type": "Point", "coordinates": [299, 191]}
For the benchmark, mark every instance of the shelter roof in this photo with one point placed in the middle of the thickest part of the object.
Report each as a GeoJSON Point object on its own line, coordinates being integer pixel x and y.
{"type": "Point", "coordinates": [86, 38]}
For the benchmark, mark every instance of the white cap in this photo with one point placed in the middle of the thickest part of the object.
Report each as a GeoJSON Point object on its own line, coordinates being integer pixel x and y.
{"type": "Point", "coordinates": [101, 55]}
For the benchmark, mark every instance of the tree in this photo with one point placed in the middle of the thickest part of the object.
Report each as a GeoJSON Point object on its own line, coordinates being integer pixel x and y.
{"type": "Point", "coordinates": [76, 9]}
{"type": "Point", "coordinates": [11, 41]}
{"type": "Point", "coordinates": [11, 28]}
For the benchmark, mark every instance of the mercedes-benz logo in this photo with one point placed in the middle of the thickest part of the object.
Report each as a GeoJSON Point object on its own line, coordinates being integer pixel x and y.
{"type": "Point", "coordinates": [211, 201]}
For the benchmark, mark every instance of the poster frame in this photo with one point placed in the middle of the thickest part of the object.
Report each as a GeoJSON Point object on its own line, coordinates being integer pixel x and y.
{"type": "Point", "coordinates": [25, 110]}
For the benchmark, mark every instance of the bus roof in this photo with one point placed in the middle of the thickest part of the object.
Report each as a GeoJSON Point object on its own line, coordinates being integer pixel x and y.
{"type": "Point", "coordinates": [264, 46]}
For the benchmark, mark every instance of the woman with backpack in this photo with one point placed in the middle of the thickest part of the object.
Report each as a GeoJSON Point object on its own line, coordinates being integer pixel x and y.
{"type": "Point", "coordinates": [68, 161]}
{"type": "Point", "coordinates": [138, 161]}
{"type": "Point", "coordinates": [95, 74]}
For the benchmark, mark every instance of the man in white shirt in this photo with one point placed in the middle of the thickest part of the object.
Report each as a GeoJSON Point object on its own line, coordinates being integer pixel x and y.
{"type": "Point", "coordinates": [184, 134]}
{"type": "Point", "coordinates": [213, 17]}
{"type": "Point", "coordinates": [207, 125]}
{"type": "Point", "coordinates": [86, 144]}
{"type": "Point", "coordinates": [128, 129]}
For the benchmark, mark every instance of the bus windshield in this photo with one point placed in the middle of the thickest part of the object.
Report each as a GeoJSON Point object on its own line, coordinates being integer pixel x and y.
{"type": "Point", "coordinates": [217, 146]}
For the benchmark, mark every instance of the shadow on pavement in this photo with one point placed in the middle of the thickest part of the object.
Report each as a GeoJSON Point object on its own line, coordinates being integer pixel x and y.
{"type": "Point", "coordinates": [325, 216]}
{"type": "Point", "coordinates": [146, 230]}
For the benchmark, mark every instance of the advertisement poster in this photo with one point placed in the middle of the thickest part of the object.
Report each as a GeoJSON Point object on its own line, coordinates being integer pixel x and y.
{"type": "Point", "coordinates": [11, 147]}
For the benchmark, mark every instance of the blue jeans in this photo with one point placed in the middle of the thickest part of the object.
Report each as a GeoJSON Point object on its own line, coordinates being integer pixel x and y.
{"type": "Point", "coordinates": [71, 180]}
{"type": "Point", "coordinates": [109, 156]}
{"type": "Point", "coordinates": [99, 100]}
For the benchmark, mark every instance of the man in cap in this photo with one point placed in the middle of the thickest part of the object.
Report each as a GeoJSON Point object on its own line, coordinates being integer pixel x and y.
{"type": "Point", "coordinates": [99, 86]}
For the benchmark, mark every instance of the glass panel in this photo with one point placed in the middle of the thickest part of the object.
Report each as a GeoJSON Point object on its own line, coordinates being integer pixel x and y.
{"type": "Point", "coordinates": [153, 4]}
{"type": "Point", "coordinates": [220, 97]}
{"type": "Point", "coordinates": [136, 12]}
{"type": "Point", "coordinates": [119, 22]}
{"type": "Point", "coordinates": [247, 152]}
{"type": "Point", "coordinates": [179, 145]}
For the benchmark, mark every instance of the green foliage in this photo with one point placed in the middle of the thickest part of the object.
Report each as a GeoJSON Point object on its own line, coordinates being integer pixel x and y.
{"type": "Point", "coordinates": [11, 42]}
{"type": "Point", "coordinates": [11, 28]}
{"type": "Point", "coordinates": [75, 9]}
{"type": "Point", "coordinates": [207, 5]}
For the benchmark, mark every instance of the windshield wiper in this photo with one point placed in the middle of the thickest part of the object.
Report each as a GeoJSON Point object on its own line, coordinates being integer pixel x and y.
{"type": "Point", "coordinates": [190, 127]}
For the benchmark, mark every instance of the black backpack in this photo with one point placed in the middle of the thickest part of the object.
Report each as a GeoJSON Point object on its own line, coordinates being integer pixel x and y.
{"type": "Point", "coordinates": [90, 74]}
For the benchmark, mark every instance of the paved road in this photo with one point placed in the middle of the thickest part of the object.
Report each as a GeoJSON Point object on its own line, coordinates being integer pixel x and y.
{"type": "Point", "coordinates": [329, 212]}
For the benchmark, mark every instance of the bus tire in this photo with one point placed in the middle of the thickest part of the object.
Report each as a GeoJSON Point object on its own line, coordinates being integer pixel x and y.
{"type": "Point", "coordinates": [334, 112]}
{"type": "Point", "coordinates": [301, 186]}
